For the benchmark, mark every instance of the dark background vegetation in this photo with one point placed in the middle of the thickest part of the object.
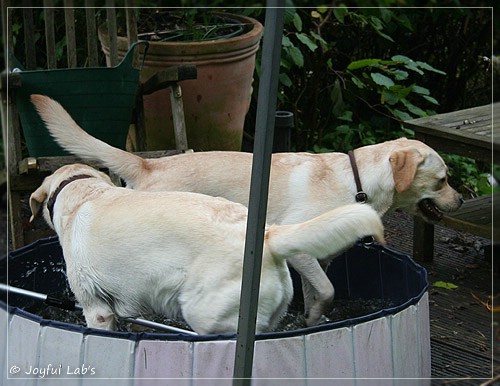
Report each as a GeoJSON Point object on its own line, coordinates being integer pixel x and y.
{"type": "Point", "coordinates": [422, 61]}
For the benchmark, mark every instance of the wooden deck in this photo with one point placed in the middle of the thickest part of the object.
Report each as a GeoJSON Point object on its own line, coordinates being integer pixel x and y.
{"type": "Point", "coordinates": [476, 216]}
{"type": "Point", "coordinates": [465, 335]}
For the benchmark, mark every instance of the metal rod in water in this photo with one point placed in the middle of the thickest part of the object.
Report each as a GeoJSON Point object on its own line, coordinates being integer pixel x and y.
{"type": "Point", "coordinates": [142, 322]}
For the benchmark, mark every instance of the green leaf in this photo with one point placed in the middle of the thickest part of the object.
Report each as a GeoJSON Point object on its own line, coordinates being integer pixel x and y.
{"type": "Point", "coordinates": [315, 14]}
{"type": "Point", "coordinates": [289, 16]}
{"type": "Point", "coordinates": [343, 129]}
{"type": "Point", "coordinates": [308, 42]}
{"type": "Point", "coordinates": [286, 42]}
{"type": "Point", "coordinates": [363, 63]}
{"type": "Point", "coordinates": [413, 109]}
{"type": "Point", "coordinates": [357, 82]}
{"type": "Point", "coordinates": [445, 285]}
{"type": "Point", "coordinates": [428, 67]}
{"type": "Point", "coordinates": [385, 36]}
{"type": "Point", "coordinates": [401, 91]}
{"type": "Point", "coordinates": [376, 23]}
{"type": "Point", "coordinates": [420, 90]}
{"type": "Point", "coordinates": [382, 80]}
{"type": "Point", "coordinates": [414, 67]}
{"type": "Point", "coordinates": [401, 58]}
{"type": "Point", "coordinates": [390, 97]}
{"type": "Point", "coordinates": [430, 99]}
{"type": "Point", "coordinates": [329, 63]}
{"type": "Point", "coordinates": [340, 13]}
{"type": "Point", "coordinates": [399, 74]}
{"type": "Point", "coordinates": [296, 56]}
{"type": "Point", "coordinates": [319, 38]}
{"type": "Point", "coordinates": [285, 80]}
{"type": "Point", "coordinates": [297, 22]}
{"type": "Point", "coordinates": [347, 116]}
{"type": "Point", "coordinates": [401, 114]}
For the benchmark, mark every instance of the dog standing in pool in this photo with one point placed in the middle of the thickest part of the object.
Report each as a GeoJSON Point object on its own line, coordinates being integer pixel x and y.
{"type": "Point", "coordinates": [129, 252]}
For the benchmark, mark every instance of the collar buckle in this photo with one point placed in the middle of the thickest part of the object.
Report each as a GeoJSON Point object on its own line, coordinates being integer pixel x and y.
{"type": "Point", "coordinates": [361, 197]}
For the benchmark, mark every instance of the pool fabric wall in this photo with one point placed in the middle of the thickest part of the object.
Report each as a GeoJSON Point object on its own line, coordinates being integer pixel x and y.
{"type": "Point", "coordinates": [390, 343]}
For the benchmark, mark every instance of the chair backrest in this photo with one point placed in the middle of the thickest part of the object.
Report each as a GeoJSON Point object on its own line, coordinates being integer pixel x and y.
{"type": "Point", "coordinates": [48, 12]}
{"type": "Point", "coordinates": [78, 23]}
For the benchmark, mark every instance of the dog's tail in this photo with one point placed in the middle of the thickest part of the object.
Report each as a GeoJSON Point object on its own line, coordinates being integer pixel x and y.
{"type": "Point", "coordinates": [74, 139]}
{"type": "Point", "coordinates": [327, 235]}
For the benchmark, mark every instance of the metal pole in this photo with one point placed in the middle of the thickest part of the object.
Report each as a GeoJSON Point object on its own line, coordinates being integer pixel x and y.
{"type": "Point", "coordinates": [257, 208]}
{"type": "Point", "coordinates": [70, 305]}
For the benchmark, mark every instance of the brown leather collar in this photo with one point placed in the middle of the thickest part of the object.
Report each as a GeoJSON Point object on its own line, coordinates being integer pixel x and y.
{"type": "Point", "coordinates": [52, 200]}
{"type": "Point", "coordinates": [360, 196]}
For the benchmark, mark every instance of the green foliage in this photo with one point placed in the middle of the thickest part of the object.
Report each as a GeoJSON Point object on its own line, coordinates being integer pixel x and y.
{"type": "Point", "coordinates": [353, 76]}
{"type": "Point", "coordinates": [469, 177]}
{"type": "Point", "coordinates": [445, 285]}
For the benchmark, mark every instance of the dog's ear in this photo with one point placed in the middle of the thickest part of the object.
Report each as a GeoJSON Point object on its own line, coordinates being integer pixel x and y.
{"type": "Point", "coordinates": [404, 165]}
{"type": "Point", "coordinates": [36, 201]}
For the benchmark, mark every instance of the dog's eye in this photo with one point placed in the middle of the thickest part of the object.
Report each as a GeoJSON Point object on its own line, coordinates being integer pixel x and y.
{"type": "Point", "coordinates": [441, 183]}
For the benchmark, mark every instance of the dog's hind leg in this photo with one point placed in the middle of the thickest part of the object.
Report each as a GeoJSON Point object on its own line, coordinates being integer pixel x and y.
{"type": "Point", "coordinates": [317, 288]}
{"type": "Point", "coordinates": [100, 315]}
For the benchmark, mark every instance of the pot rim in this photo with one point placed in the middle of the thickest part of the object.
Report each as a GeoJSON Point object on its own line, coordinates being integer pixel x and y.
{"type": "Point", "coordinates": [245, 40]}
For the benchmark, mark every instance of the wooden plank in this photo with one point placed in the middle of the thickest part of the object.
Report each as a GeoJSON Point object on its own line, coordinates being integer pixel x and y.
{"type": "Point", "coordinates": [476, 217]}
{"type": "Point", "coordinates": [181, 142]}
{"type": "Point", "coordinates": [477, 210]}
{"type": "Point", "coordinates": [466, 132]}
{"type": "Point", "coordinates": [168, 77]}
{"type": "Point", "coordinates": [69, 18]}
{"type": "Point", "coordinates": [27, 183]}
{"type": "Point", "coordinates": [454, 147]}
{"type": "Point", "coordinates": [50, 39]}
{"type": "Point", "coordinates": [112, 29]}
{"type": "Point", "coordinates": [92, 40]}
{"type": "Point", "coordinates": [13, 157]}
{"type": "Point", "coordinates": [423, 240]}
{"type": "Point", "coordinates": [29, 35]}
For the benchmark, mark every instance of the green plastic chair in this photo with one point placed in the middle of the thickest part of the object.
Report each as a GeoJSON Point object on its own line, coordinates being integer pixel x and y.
{"type": "Point", "coordinates": [100, 100]}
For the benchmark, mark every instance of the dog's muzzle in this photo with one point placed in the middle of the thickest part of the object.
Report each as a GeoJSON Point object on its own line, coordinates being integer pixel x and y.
{"type": "Point", "coordinates": [430, 210]}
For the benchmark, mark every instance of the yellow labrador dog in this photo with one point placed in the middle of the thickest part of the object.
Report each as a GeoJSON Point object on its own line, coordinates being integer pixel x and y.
{"type": "Point", "coordinates": [400, 174]}
{"type": "Point", "coordinates": [178, 253]}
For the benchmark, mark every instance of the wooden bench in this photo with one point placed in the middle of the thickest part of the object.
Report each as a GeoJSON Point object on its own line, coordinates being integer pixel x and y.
{"type": "Point", "coordinates": [470, 133]}
{"type": "Point", "coordinates": [476, 217]}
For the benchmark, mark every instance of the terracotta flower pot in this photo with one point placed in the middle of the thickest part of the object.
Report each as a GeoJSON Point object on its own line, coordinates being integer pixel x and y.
{"type": "Point", "coordinates": [215, 104]}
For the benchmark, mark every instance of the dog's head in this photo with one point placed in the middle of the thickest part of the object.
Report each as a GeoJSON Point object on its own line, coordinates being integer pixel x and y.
{"type": "Point", "coordinates": [57, 181]}
{"type": "Point", "coordinates": [421, 182]}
